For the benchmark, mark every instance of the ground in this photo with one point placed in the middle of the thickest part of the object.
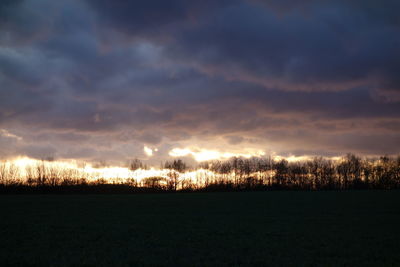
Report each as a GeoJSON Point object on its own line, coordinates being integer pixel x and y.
{"type": "Point", "coordinates": [350, 228]}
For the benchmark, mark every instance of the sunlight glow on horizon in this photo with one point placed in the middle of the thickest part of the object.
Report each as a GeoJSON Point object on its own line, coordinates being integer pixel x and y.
{"type": "Point", "coordinates": [292, 158]}
{"type": "Point", "coordinates": [25, 167]}
{"type": "Point", "coordinates": [205, 155]}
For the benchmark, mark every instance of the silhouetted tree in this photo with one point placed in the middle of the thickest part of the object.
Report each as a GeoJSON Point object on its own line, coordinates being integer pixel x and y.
{"type": "Point", "coordinates": [176, 167]}
{"type": "Point", "coordinates": [282, 171]}
{"type": "Point", "coordinates": [135, 165]}
{"type": "Point", "coordinates": [351, 172]}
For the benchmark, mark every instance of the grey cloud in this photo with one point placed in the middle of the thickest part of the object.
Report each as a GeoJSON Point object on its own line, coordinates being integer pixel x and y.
{"type": "Point", "coordinates": [234, 140]}
{"type": "Point", "coordinates": [114, 76]}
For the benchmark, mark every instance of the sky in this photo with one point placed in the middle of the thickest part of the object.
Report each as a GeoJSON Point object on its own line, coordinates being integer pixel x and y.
{"type": "Point", "coordinates": [108, 81]}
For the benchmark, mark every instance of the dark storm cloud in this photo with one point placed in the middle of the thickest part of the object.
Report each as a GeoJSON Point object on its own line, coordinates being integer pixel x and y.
{"type": "Point", "coordinates": [384, 11]}
{"type": "Point", "coordinates": [324, 45]}
{"type": "Point", "coordinates": [330, 48]}
{"type": "Point", "coordinates": [153, 18]}
{"type": "Point", "coordinates": [84, 79]}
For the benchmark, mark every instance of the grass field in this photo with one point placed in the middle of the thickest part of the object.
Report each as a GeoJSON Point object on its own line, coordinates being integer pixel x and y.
{"type": "Point", "coordinates": [202, 229]}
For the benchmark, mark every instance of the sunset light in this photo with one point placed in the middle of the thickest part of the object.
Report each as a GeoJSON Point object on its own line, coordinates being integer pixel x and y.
{"type": "Point", "coordinates": [204, 155]}
{"type": "Point", "coordinates": [199, 133]}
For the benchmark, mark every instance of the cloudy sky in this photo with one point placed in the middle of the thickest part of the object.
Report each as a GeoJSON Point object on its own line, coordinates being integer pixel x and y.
{"type": "Point", "coordinates": [102, 80]}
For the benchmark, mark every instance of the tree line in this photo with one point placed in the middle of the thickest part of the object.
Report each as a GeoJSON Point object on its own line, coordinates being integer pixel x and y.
{"type": "Point", "coordinates": [258, 173]}
{"type": "Point", "coordinates": [351, 172]}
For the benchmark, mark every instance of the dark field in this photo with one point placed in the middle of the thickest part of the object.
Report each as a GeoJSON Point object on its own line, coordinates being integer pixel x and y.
{"type": "Point", "coordinates": [202, 229]}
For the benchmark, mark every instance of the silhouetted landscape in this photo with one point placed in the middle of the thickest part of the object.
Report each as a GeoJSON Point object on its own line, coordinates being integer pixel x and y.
{"type": "Point", "coordinates": [236, 174]}
{"type": "Point", "coordinates": [199, 133]}
{"type": "Point", "coordinates": [239, 212]}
